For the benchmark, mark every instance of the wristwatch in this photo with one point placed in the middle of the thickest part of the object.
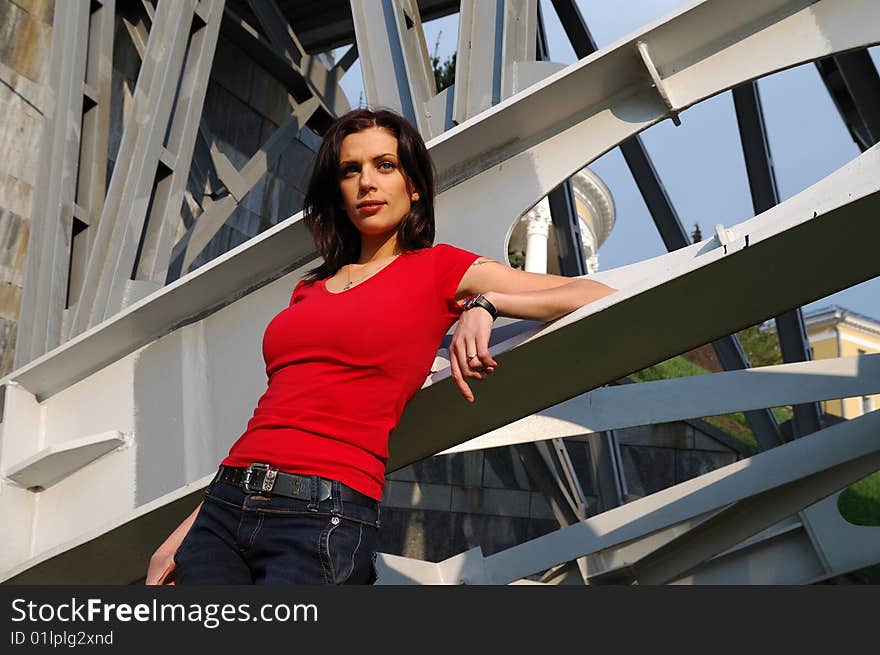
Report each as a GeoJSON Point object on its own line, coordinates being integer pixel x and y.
{"type": "Point", "coordinates": [480, 301]}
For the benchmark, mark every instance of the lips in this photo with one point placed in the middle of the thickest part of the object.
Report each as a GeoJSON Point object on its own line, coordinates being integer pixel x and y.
{"type": "Point", "coordinates": [371, 207]}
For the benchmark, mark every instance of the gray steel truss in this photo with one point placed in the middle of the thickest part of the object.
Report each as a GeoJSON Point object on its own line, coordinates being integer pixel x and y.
{"type": "Point", "coordinates": [854, 85]}
{"type": "Point", "coordinates": [125, 379]}
{"type": "Point", "coordinates": [322, 83]}
{"type": "Point", "coordinates": [790, 329]}
{"type": "Point", "coordinates": [143, 157]}
{"type": "Point", "coordinates": [240, 183]}
{"type": "Point", "coordinates": [607, 469]}
{"type": "Point", "coordinates": [164, 215]}
{"type": "Point", "coordinates": [728, 349]}
{"type": "Point", "coordinates": [119, 242]}
{"type": "Point", "coordinates": [394, 59]}
{"type": "Point", "coordinates": [46, 265]}
{"type": "Point", "coordinates": [506, 31]}
{"type": "Point", "coordinates": [92, 172]}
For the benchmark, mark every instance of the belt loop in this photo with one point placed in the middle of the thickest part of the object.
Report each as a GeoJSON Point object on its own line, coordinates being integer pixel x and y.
{"type": "Point", "coordinates": [313, 493]}
{"type": "Point", "coordinates": [336, 496]}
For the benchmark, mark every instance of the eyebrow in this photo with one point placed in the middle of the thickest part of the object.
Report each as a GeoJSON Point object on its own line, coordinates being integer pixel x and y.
{"type": "Point", "coordinates": [384, 154]}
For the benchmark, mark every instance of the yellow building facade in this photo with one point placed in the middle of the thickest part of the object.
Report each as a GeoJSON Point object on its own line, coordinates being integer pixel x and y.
{"type": "Point", "coordinates": [839, 332]}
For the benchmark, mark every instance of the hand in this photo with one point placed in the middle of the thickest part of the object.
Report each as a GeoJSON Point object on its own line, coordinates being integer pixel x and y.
{"type": "Point", "coordinates": [162, 562]}
{"type": "Point", "coordinates": [161, 568]}
{"type": "Point", "coordinates": [471, 337]}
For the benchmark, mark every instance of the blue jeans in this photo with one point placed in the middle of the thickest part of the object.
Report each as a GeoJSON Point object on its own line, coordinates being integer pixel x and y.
{"type": "Point", "coordinates": [248, 538]}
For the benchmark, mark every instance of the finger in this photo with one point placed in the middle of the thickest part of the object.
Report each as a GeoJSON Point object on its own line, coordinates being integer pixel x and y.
{"type": "Point", "coordinates": [475, 366]}
{"type": "Point", "coordinates": [464, 349]}
{"type": "Point", "coordinates": [486, 360]}
{"type": "Point", "coordinates": [459, 380]}
{"type": "Point", "coordinates": [461, 358]}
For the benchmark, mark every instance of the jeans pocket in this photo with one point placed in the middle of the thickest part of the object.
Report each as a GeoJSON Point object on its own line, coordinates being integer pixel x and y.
{"type": "Point", "coordinates": [341, 550]}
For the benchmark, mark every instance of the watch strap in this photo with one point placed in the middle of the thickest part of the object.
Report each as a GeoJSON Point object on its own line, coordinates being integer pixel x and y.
{"type": "Point", "coordinates": [480, 301]}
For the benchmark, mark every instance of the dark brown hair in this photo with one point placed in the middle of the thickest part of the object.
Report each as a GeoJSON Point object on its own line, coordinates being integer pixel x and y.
{"type": "Point", "coordinates": [336, 239]}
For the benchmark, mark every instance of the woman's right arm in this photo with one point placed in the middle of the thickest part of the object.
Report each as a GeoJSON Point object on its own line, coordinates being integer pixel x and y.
{"type": "Point", "coordinates": [164, 555]}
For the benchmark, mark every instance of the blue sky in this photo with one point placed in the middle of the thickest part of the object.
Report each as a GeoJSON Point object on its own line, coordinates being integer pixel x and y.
{"type": "Point", "coordinates": [700, 162]}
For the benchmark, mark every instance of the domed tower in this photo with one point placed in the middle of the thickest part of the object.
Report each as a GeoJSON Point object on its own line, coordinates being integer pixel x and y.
{"type": "Point", "coordinates": [530, 246]}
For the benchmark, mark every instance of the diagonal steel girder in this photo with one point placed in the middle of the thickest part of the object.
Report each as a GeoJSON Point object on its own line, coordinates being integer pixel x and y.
{"type": "Point", "coordinates": [790, 327]}
{"type": "Point", "coordinates": [728, 349]}
{"type": "Point", "coordinates": [492, 38]}
{"type": "Point", "coordinates": [93, 156]}
{"type": "Point", "coordinates": [573, 116]}
{"type": "Point", "coordinates": [45, 282]}
{"type": "Point", "coordinates": [394, 58]}
{"type": "Point", "coordinates": [607, 468]}
{"type": "Point", "coordinates": [240, 184]}
{"type": "Point", "coordinates": [163, 219]}
{"type": "Point", "coordinates": [854, 86]}
{"type": "Point", "coordinates": [322, 83]}
{"type": "Point", "coordinates": [113, 255]}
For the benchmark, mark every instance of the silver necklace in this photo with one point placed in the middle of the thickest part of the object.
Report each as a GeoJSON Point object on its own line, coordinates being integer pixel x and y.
{"type": "Point", "coordinates": [351, 283]}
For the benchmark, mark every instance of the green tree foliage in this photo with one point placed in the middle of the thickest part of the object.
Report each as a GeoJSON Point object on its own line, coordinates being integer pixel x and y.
{"type": "Point", "coordinates": [444, 73]}
{"type": "Point", "coordinates": [517, 259]}
{"type": "Point", "coordinates": [761, 346]}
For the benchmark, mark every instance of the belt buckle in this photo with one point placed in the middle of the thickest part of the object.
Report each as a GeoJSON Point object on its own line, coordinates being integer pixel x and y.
{"type": "Point", "coordinates": [268, 477]}
{"type": "Point", "coordinates": [324, 489]}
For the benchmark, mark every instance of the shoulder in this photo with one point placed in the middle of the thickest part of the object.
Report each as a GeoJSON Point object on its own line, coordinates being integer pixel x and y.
{"type": "Point", "coordinates": [446, 252]}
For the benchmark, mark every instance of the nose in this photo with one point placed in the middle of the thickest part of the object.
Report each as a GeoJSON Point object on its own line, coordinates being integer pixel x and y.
{"type": "Point", "coordinates": [367, 178]}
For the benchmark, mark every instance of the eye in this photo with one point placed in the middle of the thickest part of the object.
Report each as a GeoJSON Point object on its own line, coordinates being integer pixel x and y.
{"type": "Point", "coordinates": [351, 168]}
{"type": "Point", "coordinates": [390, 166]}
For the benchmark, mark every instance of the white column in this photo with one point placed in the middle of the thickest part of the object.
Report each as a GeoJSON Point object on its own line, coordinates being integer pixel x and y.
{"type": "Point", "coordinates": [591, 248]}
{"type": "Point", "coordinates": [538, 223]}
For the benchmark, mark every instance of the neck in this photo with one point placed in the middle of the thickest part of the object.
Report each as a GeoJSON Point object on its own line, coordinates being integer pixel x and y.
{"type": "Point", "coordinates": [377, 248]}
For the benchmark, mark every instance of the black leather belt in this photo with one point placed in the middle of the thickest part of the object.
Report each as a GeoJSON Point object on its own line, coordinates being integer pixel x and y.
{"type": "Point", "coordinates": [263, 479]}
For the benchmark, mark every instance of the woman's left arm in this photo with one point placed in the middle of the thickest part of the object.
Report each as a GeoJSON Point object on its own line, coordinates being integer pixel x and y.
{"type": "Point", "coordinates": [516, 294]}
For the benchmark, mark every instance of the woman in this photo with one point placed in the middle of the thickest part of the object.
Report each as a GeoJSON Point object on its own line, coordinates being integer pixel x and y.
{"type": "Point", "coordinates": [296, 499]}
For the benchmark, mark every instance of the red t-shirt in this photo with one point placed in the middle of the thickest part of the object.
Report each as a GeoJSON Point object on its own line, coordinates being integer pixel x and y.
{"type": "Point", "coordinates": [342, 366]}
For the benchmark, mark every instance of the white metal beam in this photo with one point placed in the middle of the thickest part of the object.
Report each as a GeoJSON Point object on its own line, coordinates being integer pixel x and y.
{"type": "Point", "coordinates": [112, 257]}
{"type": "Point", "coordinates": [492, 38]}
{"type": "Point", "coordinates": [544, 134]}
{"type": "Point", "coordinates": [663, 401]}
{"type": "Point", "coordinates": [164, 217]}
{"type": "Point", "coordinates": [44, 291]}
{"type": "Point", "coordinates": [394, 58]}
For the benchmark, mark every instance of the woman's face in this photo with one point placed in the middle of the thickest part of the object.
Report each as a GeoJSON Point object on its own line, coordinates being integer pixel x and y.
{"type": "Point", "coordinates": [374, 190]}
